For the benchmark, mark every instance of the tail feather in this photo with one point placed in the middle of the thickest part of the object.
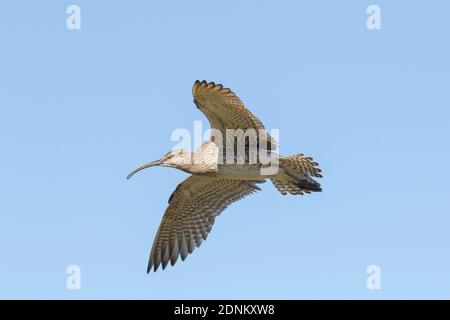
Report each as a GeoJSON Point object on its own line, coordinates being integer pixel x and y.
{"type": "Point", "coordinates": [295, 175]}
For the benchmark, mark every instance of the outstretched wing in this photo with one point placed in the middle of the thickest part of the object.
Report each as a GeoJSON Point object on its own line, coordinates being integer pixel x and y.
{"type": "Point", "coordinates": [225, 110]}
{"type": "Point", "coordinates": [193, 206]}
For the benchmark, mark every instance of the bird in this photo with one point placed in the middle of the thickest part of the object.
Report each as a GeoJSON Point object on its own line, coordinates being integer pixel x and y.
{"type": "Point", "coordinates": [213, 183]}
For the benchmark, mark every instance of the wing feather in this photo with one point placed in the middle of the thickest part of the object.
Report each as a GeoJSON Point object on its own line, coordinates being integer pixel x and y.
{"type": "Point", "coordinates": [189, 218]}
{"type": "Point", "coordinates": [225, 110]}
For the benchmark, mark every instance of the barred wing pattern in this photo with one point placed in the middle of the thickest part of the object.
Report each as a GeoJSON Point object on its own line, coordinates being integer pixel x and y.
{"type": "Point", "coordinates": [193, 207]}
{"type": "Point", "coordinates": [225, 110]}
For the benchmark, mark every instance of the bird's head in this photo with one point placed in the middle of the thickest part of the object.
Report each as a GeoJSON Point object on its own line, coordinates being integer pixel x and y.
{"type": "Point", "coordinates": [174, 158]}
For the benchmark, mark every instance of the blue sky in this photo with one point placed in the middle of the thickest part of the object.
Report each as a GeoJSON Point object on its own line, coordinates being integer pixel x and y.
{"type": "Point", "coordinates": [79, 109]}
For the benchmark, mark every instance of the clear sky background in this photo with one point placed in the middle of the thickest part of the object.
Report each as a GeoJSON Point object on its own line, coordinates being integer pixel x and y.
{"type": "Point", "coordinates": [79, 109]}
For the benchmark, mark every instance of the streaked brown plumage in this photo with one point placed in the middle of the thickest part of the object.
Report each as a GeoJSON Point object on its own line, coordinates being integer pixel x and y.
{"type": "Point", "coordinates": [213, 185]}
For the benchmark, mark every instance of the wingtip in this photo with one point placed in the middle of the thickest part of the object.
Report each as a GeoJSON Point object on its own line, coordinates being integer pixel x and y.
{"type": "Point", "coordinates": [150, 267]}
{"type": "Point", "coordinates": [204, 83]}
{"type": "Point", "coordinates": [195, 86]}
{"type": "Point", "coordinates": [209, 85]}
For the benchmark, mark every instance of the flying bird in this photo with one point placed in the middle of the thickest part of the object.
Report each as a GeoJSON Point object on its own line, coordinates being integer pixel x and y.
{"type": "Point", "coordinates": [215, 183]}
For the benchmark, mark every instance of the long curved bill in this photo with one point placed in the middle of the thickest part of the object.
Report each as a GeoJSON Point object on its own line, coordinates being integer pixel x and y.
{"type": "Point", "coordinates": [144, 166]}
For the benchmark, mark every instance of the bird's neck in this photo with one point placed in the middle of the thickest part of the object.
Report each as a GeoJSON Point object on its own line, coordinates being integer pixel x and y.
{"type": "Point", "coordinates": [199, 163]}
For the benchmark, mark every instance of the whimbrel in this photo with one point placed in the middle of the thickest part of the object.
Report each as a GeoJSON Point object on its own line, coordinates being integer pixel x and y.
{"type": "Point", "coordinates": [214, 184]}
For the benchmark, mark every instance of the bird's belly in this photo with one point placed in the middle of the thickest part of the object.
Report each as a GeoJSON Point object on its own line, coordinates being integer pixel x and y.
{"type": "Point", "coordinates": [241, 171]}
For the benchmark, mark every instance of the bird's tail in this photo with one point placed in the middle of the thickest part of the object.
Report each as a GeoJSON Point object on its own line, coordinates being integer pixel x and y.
{"type": "Point", "coordinates": [295, 175]}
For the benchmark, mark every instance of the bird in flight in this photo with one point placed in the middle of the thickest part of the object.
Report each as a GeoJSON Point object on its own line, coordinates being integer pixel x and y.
{"type": "Point", "coordinates": [215, 181]}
